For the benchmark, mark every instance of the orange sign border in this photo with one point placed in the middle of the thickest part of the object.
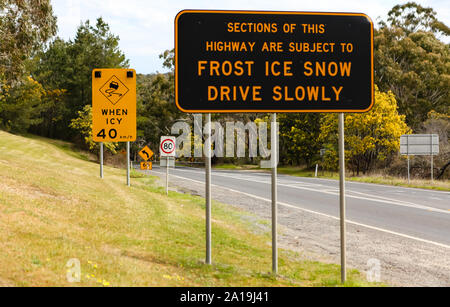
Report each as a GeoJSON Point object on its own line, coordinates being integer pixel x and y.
{"type": "Point", "coordinates": [273, 13]}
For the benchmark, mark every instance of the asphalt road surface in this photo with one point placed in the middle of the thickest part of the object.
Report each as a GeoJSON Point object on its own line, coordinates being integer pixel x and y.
{"type": "Point", "coordinates": [422, 215]}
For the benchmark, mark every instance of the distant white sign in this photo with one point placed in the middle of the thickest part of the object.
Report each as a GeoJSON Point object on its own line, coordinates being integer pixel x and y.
{"type": "Point", "coordinates": [167, 146]}
{"type": "Point", "coordinates": [419, 144]}
{"type": "Point", "coordinates": [170, 160]}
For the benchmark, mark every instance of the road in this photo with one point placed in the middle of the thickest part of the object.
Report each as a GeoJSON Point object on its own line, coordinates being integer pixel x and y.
{"type": "Point", "coordinates": [422, 215]}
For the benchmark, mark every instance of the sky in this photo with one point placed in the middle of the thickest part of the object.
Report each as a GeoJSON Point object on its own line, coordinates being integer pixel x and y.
{"type": "Point", "coordinates": [146, 27]}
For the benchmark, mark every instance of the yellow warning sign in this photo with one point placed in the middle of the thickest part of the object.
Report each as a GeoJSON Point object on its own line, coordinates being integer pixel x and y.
{"type": "Point", "coordinates": [146, 165]}
{"type": "Point", "coordinates": [146, 153]}
{"type": "Point", "coordinates": [114, 105]}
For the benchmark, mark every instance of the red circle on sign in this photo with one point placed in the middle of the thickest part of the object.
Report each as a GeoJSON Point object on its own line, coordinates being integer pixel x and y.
{"type": "Point", "coordinates": [173, 147]}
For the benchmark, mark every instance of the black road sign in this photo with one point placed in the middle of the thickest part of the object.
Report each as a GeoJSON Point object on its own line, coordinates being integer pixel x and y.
{"type": "Point", "coordinates": [248, 61]}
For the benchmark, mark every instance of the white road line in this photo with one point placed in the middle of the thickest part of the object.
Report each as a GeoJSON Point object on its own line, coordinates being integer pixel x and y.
{"type": "Point", "coordinates": [436, 198]}
{"type": "Point", "coordinates": [309, 184]}
{"type": "Point", "coordinates": [419, 190]}
{"type": "Point", "coordinates": [321, 214]}
{"type": "Point", "coordinates": [401, 188]}
{"type": "Point", "coordinates": [368, 197]}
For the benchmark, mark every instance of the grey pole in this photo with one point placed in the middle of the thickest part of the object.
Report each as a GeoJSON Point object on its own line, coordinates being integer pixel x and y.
{"type": "Point", "coordinates": [342, 195]}
{"type": "Point", "coordinates": [101, 159]}
{"type": "Point", "coordinates": [274, 158]}
{"type": "Point", "coordinates": [167, 175]}
{"type": "Point", "coordinates": [407, 153]}
{"type": "Point", "coordinates": [431, 152]}
{"type": "Point", "coordinates": [128, 163]}
{"type": "Point", "coordinates": [432, 167]}
{"type": "Point", "coordinates": [408, 169]}
{"type": "Point", "coordinates": [208, 187]}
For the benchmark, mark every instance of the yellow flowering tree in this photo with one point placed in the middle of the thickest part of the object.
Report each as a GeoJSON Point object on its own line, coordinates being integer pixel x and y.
{"type": "Point", "coordinates": [369, 137]}
{"type": "Point", "coordinates": [298, 138]}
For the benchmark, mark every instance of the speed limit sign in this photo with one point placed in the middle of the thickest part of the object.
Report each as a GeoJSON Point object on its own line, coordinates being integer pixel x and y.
{"type": "Point", "coordinates": [167, 146]}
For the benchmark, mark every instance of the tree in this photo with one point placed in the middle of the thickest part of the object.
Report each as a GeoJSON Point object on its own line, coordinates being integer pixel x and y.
{"type": "Point", "coordinates": [412, 62]}
{"type": "Point", "coordinates": [369, 137]}
{"type": "Point", "coordinates": [22, 106]}
{"type": "Point", "coordinates": [25, 25]}
{"type": "Point", "coordinates": [52, 68]}
{"type": "Point", "coordinates": [93, 47]}
{"type": "Point", "coordinates": [53, 108]}
{"type": "Point", "coordinates": [156, 102]}
{"type": "Point", "coordinates": [83, 125]}
{"type": "Point", "coordinates": [298, 138]}
{"type": "Point", "coordinates": [68, 66]}
{"type": "Point", "coordinates": [439, 124]}
{"type": "Point", "coordinates": [412, 17]}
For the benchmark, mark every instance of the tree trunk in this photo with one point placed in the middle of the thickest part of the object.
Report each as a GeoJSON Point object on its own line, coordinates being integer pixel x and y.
{"type": "Point", "coordinates": [443, 170]}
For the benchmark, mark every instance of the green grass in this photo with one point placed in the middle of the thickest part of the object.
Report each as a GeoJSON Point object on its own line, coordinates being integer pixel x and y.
{"type": "Point", "coordinates": [54, 207]}
{"type": "Point", "coordinates": [230, 166]}
{"type": "Point", "coordinates": [441, 185]}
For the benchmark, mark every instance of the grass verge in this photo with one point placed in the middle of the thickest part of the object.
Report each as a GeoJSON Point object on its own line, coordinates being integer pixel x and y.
{"type": "Point", "coordinates": [54, 207]}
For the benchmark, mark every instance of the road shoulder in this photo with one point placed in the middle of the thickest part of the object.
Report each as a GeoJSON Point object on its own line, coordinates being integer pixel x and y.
{"type": "Point", "coordinates": [403, 261]}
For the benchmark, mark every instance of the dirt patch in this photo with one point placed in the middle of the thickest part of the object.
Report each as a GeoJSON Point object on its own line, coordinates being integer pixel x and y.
{"type": "Point", "coordinates": [146, 258]}
{"type": "Point", "coordinates": [6, 283]}
{"type": "Point", "coordinates": [11, 186]}
{"type": "Point", "coordinates": [111, 250]}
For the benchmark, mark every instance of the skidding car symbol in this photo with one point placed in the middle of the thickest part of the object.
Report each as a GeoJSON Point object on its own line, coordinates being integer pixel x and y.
{"type": "Point", "coordinates": [113, 86]}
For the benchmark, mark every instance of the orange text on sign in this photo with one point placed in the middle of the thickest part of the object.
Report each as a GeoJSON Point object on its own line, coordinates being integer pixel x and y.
{"type": "Point", "coordinates": [226, 68]}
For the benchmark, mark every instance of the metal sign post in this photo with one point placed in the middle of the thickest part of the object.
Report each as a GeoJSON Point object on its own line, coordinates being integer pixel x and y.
{"type": "Point", "coordinates": [342, 194]}
{"type": "Point", "coordinates": [101, 159]}
{"type": "Point", "coordinates": [407, 152]}
{"type": "Point", "coordinates": [408, 171]}
{"type": "Point", "coordinates": [273, 158]}
{"type": "Point", "coordinates": [431, 168]}
{"type": "Point", "coordinates": [431, 155]}
{"type": "Point", "coordinates": [167, 175]}
{"type": "Point", "coordinates": [128, 163]}
{"type": "Point", "coordinates": [208, 187]}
